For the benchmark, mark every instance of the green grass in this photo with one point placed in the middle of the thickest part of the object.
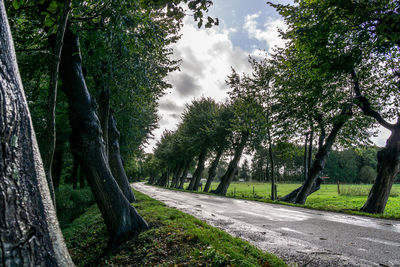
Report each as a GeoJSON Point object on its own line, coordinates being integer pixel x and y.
{"type": "Point", "coordinates": [351, 199]}
{"type": "Point", "coordinates": [174, 239]}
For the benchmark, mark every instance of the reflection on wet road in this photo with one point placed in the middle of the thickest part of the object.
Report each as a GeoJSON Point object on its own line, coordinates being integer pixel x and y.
{"type": "Point", "coordinates": [306, 237]}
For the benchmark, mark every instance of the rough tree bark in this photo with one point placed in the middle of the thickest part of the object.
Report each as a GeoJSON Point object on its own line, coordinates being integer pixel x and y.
{"type": "Point", "coordinates": [305, 157]}
{"type": "Point", "coordinates": [271, 160]}
{"type": "Point", "coordinates": [52, 98]}
{"type": "Point", "coordinates": [87, 143]}
{"type": "Point", "coordinates": [115, 161]}
{"type": "Point", "coordinates": [194, 183]}
{"type": "Point", "coordinates": [164, 179]}
{"type": "Point", "coordinates": [232, 167]}
{"type": "Point", "coordinates": [388, 169]}
{"type": "Point", "coordinates": [152, 178]}
{"type": "Point", "coordinates": [81, 178]}
{"type": "Point", "coordinates": [58, 164]}
{"type": "Point", "coordinates": [310, 148]}
{"type": "Point", "coordinates": [292, 195]}
{"type": "Point", "coordinates": [213, 169]}
{"type": "Point", "coordinates": [184, 174]}
{"type": "Point", "coordinates": [103, 111]}
{"type": "Point", "coordinates": [158, 181]}
{"type": "Point", "coordinates": [177, 174]}
{"type": "Point", "coordinates": [320, 159]}
{"type": "Point", "coordinates": [74, 174]}
{"type": "Point", "coordinates": [388, 158]}
{"type": "Point", "coordinates": [166, 182]}
{"type": "Point", "coordinates": [29, 230]}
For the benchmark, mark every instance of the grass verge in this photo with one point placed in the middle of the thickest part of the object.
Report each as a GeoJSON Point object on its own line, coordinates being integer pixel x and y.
{"type": "Point", "coordinates": [174, 239]}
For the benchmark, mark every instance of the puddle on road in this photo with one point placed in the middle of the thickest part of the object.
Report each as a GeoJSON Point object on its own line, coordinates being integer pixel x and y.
{"type": "Point", "coordinates": [291, 230]}
{"type": "Point", "coordinates": [381, 241]}
{"type": "Point", "coordinates": [364, 222]}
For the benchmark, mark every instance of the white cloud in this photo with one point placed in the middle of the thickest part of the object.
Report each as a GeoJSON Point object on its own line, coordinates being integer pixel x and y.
{"type": "Point", "coordinates": [268, 33]}
{"type": "Point", "coordinates": [207, 56]}
{"type": "Point", "coordinates": [383, 136]}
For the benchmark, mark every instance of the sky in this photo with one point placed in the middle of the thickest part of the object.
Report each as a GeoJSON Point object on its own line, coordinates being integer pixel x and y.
{"type": "Point", "coordinates": [245, 28]}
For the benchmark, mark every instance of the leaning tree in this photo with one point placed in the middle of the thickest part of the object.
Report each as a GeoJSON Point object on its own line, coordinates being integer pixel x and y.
{"type": "Point", "coordinates": [29, 230]}
{"type": "Point", "coordinates": [359, 40]}
{"type": "Point", "coordinates": [248, 124]}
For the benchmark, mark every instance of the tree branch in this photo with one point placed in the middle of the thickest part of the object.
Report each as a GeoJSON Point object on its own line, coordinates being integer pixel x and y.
{"type": "Point", "coordinates": [363, 103]}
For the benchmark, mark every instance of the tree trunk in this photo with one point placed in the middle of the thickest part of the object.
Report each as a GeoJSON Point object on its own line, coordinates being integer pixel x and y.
{"type": "Point", "coordinates": [291, 197]}
{"type": "Point", "coordinates": [104, 114]}
{"type": "Point", "coordinates": [388, 158]}
{"type": "Point", "coordinates": [177, 174]}
{"type": "Point", "coordinates": [115, 161]}
{"type": "Point", "coordinates": [152, 178]}
{"type": "Point", "coordinates": [168, 175]}
{"type": "Point", "coordinates": [52, 97]}
{"type": "Point", "coordinates": [320, 160]}
{"type": "Point", "coordinates": [163, 181]}
{"type": "Point", "coordinates": [388, 169]}
{"type": "Point", "coordinates": [81, 178]}
{"type": "Point", "coordinates": [194, 183]}
{"type": "Point", "coordinates": [271, 160]}
{"type": "Point", "coordinates": [75, 169]}
{"type": "Point", "coordinates": [232, 168]}
{"type": "Point", "coordinates": [119, 216]}
{"type": "Point", "coordinates": [305, 157]}
{"type": "Point", "coordinates": [310, 149]}
{"type": "Point", "coordinates": [213, 169]}
{"type": "Point", "coordinates": [29, 230]}
{"type": "Point", "coordinates": [184, 174]}
{"type": "Point", "coordinates": [159, 180]}
{"type": "Point", "coordinates": [57, 164]}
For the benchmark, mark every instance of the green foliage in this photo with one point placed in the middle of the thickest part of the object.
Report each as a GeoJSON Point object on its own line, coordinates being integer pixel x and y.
{"type": "Point", "coordinates": [367, 174]}
{"type": "Point", "coordinates": [174, 238]}
{"type": "Point", "coordinates": [333, 38]}
{"type": "Point", "coordinates": [71, 203]}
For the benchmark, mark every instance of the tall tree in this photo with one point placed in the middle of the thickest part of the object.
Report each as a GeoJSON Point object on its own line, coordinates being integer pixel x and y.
{"type": "Point", "coordinates": [87, 143]}
{"type": "Point", "coordinates": [198, 122]}
{"type": "Point", "coordinates": [220, 140]}
{"type": "Point", "coordinates": [115, 161]}
{"type": "Point", "coordinates": [349, 37]}
{"type": "Point", "coordinates": [52, 96]}
{"type": "Point", "coordinates": [248, 124]}
{"type": "Point", "coordinates": [30, 234]}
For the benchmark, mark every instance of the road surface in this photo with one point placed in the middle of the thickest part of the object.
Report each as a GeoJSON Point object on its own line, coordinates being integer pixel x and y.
{"type": "Point", "coordinates": [300, 236]}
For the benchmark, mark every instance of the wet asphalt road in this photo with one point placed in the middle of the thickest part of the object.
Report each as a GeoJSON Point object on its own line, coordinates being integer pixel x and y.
{"type": "Point", "coordinates": [302, 237]}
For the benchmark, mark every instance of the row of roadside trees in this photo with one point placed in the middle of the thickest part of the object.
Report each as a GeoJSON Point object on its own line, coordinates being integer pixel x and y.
{"type": "Point", "coordinates": [109, 58]}
{"type": "Point", "coordinates": [334, 82]}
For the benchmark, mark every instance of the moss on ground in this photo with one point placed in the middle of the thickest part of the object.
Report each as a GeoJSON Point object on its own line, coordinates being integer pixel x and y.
{"type": "Point", "coordinates": [174, 239]}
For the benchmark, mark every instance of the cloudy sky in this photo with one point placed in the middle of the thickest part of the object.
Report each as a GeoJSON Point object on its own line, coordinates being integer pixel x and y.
{"type": "Point", "coordinates": [208, 55]}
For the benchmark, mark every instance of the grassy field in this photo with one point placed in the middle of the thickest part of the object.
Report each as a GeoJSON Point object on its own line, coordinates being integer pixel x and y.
{"type": "Point", "coordinates": [174, 239]}
{"type": "Point", "coordinates": [350, 200]}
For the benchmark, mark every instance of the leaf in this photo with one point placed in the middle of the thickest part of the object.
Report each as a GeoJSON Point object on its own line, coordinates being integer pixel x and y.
{"type": "Point", "coordinates": [48, 22]}
{"type": "Point", "coordinates": [16, 4]}
{"type": "Point", "coordinates": [53, 6]}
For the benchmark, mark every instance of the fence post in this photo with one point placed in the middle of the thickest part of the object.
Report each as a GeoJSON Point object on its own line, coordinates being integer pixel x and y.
{"type": "Point", "coordinates": [338, 187]}
{"type": "Point", "coordinates": [234, 192]}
